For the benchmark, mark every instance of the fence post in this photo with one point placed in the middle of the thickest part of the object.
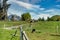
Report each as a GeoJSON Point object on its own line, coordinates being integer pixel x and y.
{"type": "Point", "coordinates": [4, 25]}
{"type": "Point", "coordinates": [57, 28]}
{"type": "Point", "coordinates": [21, 33]}
{"type": "Point", "coordinates": [25, 36]}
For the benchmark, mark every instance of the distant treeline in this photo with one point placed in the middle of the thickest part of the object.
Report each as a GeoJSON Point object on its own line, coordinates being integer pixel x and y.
{"type": "Point", "coordinates": [27, 17]}
{"type": "Point", "coordinates": [53, 18]}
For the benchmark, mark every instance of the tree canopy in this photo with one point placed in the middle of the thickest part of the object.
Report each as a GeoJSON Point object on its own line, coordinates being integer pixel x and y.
{"type": "Point", "coordinates": [26, 16]}
{"type": "Point", "coordinates": [55, 18]}
{"type": "Point", "coordinates": [3, 10]}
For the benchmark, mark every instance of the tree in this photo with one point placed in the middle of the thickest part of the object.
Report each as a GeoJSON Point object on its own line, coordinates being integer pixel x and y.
{"type": "Point", "coordinates": [48, 19]}
{"type": "Point", "coordinates": [39, 19]}
{"type": "Point", "coordinates": [42, 19]}
{"type": "Point", "coordinates": [3, 9]}
{"type": "Point", "coordinates": [55, 18]}
{"type": "Point", "coordinates": [26, 16]}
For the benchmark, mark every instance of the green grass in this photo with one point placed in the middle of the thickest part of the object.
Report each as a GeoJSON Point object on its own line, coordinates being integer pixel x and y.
{"type": "Point", "coordinates": [7, 34]}
{"type": "Point", "coordinates": [45, 28]}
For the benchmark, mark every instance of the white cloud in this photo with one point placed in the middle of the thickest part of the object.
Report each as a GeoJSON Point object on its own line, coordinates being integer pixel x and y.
{"type": "Point", "coordinates": [12, 11]}
{"type": "Point", "coordinates": [27, 5]}
{"type": "Point", "coordinates": [34, 16]}
{"type": "Point", "coordinates": [53, 11]}
{"type": "Point", "coordinates": [50, 10]}
{"type": "Point", "coordinates": [44, 15]}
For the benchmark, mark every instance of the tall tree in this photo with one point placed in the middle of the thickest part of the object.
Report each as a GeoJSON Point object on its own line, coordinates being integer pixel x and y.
{"type": "Point", "coordinates": [39, 19]}
{"type": "Point", "coordinates": [3, 9]}
{"type": "Point", "coordinates": [26, 17]}
{"type": "Point", "coordinates": [48, 19]}
{"type": "Point", "coordinates": [42, 19]}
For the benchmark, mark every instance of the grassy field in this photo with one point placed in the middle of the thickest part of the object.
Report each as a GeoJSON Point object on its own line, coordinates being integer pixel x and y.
{"type": "Point", "coordinates": [6, 34]}
{"type": "Point", "coordinates": [46, 30]}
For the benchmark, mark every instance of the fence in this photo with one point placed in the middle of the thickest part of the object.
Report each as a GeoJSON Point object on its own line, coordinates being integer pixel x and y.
{"type": "Point", "coordinates": [23, 35]}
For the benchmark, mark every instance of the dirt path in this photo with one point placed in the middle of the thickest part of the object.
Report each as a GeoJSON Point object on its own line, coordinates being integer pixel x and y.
{"type": "Point", "coordinates": [10, 28]}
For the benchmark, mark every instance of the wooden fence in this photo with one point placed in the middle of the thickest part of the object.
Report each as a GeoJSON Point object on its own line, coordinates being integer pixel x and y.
{"type": "Point", "coordinates": [23, 35]}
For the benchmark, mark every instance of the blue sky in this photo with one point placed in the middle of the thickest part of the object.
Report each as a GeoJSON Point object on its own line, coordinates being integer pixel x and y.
{"type": "Point", "coordinates": [37, 8]}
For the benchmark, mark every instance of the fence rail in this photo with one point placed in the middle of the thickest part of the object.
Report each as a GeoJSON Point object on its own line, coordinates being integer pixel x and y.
{"type": "Point", "coordinates": [23, 35]}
